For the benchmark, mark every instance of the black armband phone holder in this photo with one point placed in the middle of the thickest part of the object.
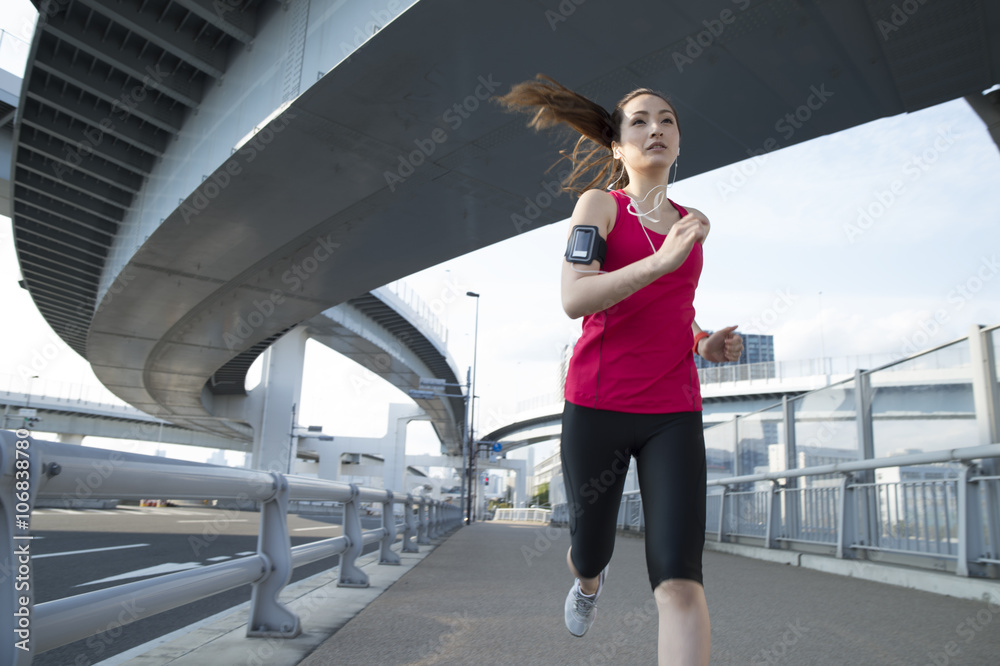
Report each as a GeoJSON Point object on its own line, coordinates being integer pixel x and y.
{"type": "Point", "coordinates": [585, 245]}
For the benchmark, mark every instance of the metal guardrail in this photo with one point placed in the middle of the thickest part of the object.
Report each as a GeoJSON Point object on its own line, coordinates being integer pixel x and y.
{"type": "Point", "coordinates": [934, 523]}
{"type": "Point", "coordinates": [523, 515]}
{"type": "Point", "coordinates": [32, 470]}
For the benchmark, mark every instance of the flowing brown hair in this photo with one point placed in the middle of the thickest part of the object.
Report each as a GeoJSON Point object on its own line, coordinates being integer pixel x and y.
{"type": "Point", "coordinates": [591, 160]}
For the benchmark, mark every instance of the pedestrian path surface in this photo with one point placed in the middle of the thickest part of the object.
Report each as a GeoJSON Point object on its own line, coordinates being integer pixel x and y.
{"type": "Point", "coordinates": [492, 593]}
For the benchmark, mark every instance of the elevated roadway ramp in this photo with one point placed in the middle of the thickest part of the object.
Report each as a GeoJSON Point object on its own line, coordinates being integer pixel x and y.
{"type": "Point", "coordinates": [380, 333]}
{"type": "Point", "coordinates": [74, 419]}
{"type": "Point", "coordinates": [265, 177]}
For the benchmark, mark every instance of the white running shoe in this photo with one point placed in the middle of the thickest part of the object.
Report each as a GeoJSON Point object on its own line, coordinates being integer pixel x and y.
{"type": "Point", "coordinates": [580, 609]}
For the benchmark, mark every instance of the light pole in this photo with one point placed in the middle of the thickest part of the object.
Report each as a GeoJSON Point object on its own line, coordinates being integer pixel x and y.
{"type": "Point", "coordinates": [472, 411]}
{"type": "Point", "coordinates": [28, 420]}
{"type": "Point", "coordinates": [822, 344]}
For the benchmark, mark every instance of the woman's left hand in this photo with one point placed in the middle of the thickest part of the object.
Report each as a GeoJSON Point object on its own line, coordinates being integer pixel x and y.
{"type": "Point", "coordinates": [723, 346]}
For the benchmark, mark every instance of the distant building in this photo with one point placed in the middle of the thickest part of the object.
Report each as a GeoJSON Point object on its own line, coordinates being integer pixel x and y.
{"type": "Point", "coordinates": [756, 349]}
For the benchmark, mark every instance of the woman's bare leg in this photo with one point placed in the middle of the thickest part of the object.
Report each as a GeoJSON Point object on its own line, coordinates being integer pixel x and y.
{"type": "Point", "coordinates": [685, 633]}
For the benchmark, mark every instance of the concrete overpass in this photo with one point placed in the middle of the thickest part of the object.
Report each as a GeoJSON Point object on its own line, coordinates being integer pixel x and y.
{"type": "Point", "coordinates": [190, 181]}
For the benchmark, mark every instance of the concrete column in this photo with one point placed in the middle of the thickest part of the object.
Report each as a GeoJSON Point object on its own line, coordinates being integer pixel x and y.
{"type": "Point", "coordinates": [70, 438]}
{"type": "Point", "coordinates": [394, 450]}
{"type": "Point", "coordinates": [269, 406]}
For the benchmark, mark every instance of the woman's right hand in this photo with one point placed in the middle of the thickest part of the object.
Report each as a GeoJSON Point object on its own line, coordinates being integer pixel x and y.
{"type": "Point", "coordinates": [690, 229]}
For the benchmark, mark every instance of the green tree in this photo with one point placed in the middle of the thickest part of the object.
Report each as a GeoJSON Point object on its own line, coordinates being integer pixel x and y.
{"type": "Point", "coordinates": [541, 498]}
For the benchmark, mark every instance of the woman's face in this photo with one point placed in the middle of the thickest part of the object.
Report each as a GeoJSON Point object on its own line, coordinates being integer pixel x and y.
{"type": "Point", "coordinates": [649, 135]}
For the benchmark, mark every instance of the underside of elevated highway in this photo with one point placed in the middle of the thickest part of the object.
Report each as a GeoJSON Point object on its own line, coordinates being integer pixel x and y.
{"type": "Point", "coordinates": [191, 180]}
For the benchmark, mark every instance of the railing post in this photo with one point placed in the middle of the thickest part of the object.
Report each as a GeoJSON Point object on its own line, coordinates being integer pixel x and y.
{"type": "Point", "coordinates": [410, 531]}
{"type": "Point", "coordinates": [986, 398]}
{"type": "Point", "coordinates": [773, 516]}
{"type": "Point", "coordinates": [350, 574]}
{"type": "Point", "coordinates": [970, 522]}
{"type": "Point", "coordinates": [435, 517]}
{"type": "Point", "coordinates": [269, 617]}
{"type": "Point", "coordinates": [432, 528]}
{"type": "Point", "coordinates": [17, 647]}
{"type": "Point", "coordinates": [792, 517]}
{"type": "Point", "coordinates": [863, 415]}
{"type": "Point", "coordinates": [388, 556]}
{"type": "Point", "coordinates": [422, 522]}
{"type": "Point", "coordinates": [722, 513]}
{"type": "Point", "coordinates": [737, 453]}
{"type": "Point", "coordinates": [847, 528]}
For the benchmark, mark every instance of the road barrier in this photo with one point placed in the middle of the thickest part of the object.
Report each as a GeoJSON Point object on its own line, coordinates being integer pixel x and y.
{"type": "Point", "coordinates": [31, 469]}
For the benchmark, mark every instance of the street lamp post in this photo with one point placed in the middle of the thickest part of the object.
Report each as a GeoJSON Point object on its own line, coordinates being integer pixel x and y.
{"type": "Point", "coordinates": [472, 413]}
{"type": "Point", "coordinates": [465, 441]}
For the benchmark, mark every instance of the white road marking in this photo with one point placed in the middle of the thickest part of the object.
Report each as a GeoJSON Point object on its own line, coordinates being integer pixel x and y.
{"type": "Point", "coordinates": [90, 550]}
{"type": "Point", "coordinates": [216, 520]}
{"type": "Point", "coordinates": [219, 558]}
{"type": "Point", "coordinates": [167, 567]}
{"type": "Point", "coordinates": [309, 529]}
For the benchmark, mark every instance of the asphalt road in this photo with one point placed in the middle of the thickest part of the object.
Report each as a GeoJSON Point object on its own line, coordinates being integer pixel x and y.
{"type": "Point", "coordinates": [134, 543]}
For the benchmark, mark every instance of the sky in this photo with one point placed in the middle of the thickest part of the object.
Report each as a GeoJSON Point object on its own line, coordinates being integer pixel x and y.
{"type": "Point", "coordinates": [868, 241]}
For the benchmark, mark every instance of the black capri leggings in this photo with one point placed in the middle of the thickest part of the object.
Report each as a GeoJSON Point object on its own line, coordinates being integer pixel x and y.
{"type": "Point", "coordinates": [669, 450]}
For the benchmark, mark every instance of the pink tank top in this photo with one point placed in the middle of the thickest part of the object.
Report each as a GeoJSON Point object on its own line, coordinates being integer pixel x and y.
{"type": "Point", "coordinates": [636, 355]}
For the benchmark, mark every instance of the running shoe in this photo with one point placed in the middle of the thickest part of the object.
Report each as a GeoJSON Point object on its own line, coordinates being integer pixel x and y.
{"type": "Point", "coordinates": [580, 609]}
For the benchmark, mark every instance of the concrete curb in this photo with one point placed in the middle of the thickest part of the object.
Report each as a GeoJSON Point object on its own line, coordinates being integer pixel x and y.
{"type": "Point", "coordinates": [322, 607]}
{"type": "Point", "coordinates": [974, 589]}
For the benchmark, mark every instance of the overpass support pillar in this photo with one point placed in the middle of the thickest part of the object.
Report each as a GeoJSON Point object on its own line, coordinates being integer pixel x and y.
{"type": "Point", "coordinates": [270, 406]}
{"type": "Point", "coordinates": [70, 438]}
{"type": "Point", "coordinates": [521, 483]}
{"type": "Point", "coordinates": [400, 416]}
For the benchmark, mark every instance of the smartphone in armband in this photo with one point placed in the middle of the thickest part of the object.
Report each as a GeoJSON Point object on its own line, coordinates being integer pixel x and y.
{"type": "Point", "coordinates": [586, 245]}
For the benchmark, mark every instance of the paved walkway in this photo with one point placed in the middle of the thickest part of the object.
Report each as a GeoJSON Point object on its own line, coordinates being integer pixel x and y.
{"type": "Point", "coordinates": [492, 593]}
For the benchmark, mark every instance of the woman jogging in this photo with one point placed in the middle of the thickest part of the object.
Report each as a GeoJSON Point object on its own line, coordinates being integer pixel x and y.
{"type": "Point", "coordinates": [631, 269]}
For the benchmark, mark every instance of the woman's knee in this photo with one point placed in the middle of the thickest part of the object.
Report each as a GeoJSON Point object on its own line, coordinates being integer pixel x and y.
{"type": "Point", "coordinates": [679, 594]}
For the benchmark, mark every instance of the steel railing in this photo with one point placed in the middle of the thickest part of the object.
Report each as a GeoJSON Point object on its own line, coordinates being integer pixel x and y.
{"type": "Point", "coordinates": [32, 470]}
{"type": "Point", "coordinates": [523, 515]}
{"type": "Point", "coordinates": [949, 520]}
